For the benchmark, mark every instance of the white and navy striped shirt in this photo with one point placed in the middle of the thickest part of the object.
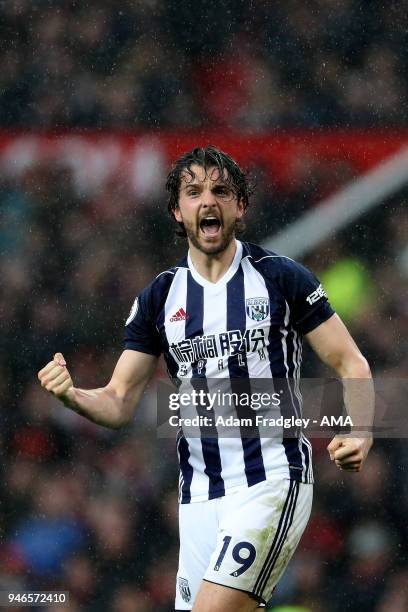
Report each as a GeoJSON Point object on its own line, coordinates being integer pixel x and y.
{"type": "Point", "coordinates": [247, 325]}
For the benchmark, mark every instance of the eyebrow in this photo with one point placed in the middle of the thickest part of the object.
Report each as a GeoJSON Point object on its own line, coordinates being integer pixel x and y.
{"type": "Point", "coordinates": [187, 185]}
{"type": "Point", "coordinates": [217, 183]}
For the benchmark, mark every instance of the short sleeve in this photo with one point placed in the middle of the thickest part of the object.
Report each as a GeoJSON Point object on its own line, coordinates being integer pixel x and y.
{"type": "Point", "coordinates": [140, 330]}
{"type": "Point", "coordinates": [306, 297]}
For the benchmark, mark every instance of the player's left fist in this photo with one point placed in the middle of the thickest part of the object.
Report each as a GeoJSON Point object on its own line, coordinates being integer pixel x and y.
{"type": "Point", "coordinates": [349, 454]}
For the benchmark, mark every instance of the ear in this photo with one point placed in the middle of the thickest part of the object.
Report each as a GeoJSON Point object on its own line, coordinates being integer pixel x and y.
{"type": "Point", "coordinates": [240, 209]}
{"type": "Point", "coordinates": [177, 214]}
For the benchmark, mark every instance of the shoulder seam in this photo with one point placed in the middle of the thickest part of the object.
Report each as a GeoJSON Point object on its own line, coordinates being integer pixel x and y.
{"type": "Point", "coordinates": [272, 256]}
{"type": "Point", "coordinates": [165, 272]}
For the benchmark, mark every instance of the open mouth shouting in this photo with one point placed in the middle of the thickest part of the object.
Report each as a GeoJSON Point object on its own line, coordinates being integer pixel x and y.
{"type": "Point", "coordinates": [210, 227]}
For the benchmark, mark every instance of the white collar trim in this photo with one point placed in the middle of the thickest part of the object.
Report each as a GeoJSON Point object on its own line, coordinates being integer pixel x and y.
{"type": "Point", "coordinates": [226, 277]}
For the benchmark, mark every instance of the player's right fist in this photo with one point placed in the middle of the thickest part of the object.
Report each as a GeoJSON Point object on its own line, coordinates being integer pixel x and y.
{"type": "Point", "coordinates": [56, 379]}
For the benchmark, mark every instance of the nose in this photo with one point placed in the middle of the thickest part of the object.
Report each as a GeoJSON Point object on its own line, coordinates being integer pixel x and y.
{"type": "Point", "coordinates": [208, 198]}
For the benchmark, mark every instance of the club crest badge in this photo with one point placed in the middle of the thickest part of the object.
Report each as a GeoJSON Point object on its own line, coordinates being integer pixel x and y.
{"type": "Point", "coordinates": [257, 309]}
{"type": "Point", "coordinates": [184, 589]}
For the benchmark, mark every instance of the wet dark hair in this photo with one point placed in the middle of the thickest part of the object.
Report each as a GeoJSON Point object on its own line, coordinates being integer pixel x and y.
{"type": "Point", "coordinates": [208, 158]}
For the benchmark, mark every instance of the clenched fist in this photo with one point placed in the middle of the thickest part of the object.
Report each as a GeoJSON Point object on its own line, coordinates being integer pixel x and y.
{"type": "Point", "coordinates": [349, 454]}
{"type": "Point", "coordinates": [56, 379]}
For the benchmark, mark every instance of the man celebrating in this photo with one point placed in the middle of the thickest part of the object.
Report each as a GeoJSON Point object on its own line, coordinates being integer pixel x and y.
{"type": "Point", "coordinates": [229, 310]}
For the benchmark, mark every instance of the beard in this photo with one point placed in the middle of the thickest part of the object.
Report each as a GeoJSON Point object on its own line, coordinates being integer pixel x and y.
{"type": "Point", "coordinates": [193, 235]}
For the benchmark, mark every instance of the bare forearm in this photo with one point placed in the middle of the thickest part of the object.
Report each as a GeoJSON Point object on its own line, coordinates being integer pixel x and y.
{"type": "Point", "coordinates": [111, 406]}
{"type": "Point", "coordinates": [102, 406]}
{"type": "Point", "coordinates": [337, 349]}
{"type": "Point", "coordinates": [358, 391]}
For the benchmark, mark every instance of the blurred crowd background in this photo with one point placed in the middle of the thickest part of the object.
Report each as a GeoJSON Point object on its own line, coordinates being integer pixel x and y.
{"type": "Point", "coordinates": [238, 63]}
{"type": "Point", "coordinates": [94, 512]}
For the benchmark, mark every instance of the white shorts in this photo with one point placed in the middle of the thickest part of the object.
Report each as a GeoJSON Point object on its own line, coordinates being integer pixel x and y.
{"type": "Point", "coordinates": [243, 540]}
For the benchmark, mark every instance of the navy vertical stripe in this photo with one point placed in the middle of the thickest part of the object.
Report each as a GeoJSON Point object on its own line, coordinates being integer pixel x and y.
{"type": "Point", "coordinates": [297, 356]}
{"type": "Point", "coordinates": [293, 357]}
{"type": "Point", "coordinates": [308, 455]}
{"type": "Point", "coordinates": [172, 366]}
{"type": "Point", "coordinates": [291, 445]}
{"type": "Point", "coordinates": [210, 446]}
{"type": "Point", "coordinates": [236, 320]}
{"type": "Point", "coordinates": [291, 348]}
{"type": "Point", "coordinates": [185, 467]}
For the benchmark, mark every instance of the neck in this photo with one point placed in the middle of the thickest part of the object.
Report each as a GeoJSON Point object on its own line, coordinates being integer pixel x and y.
{"type": "Point", "coordinates": [213, 267]}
